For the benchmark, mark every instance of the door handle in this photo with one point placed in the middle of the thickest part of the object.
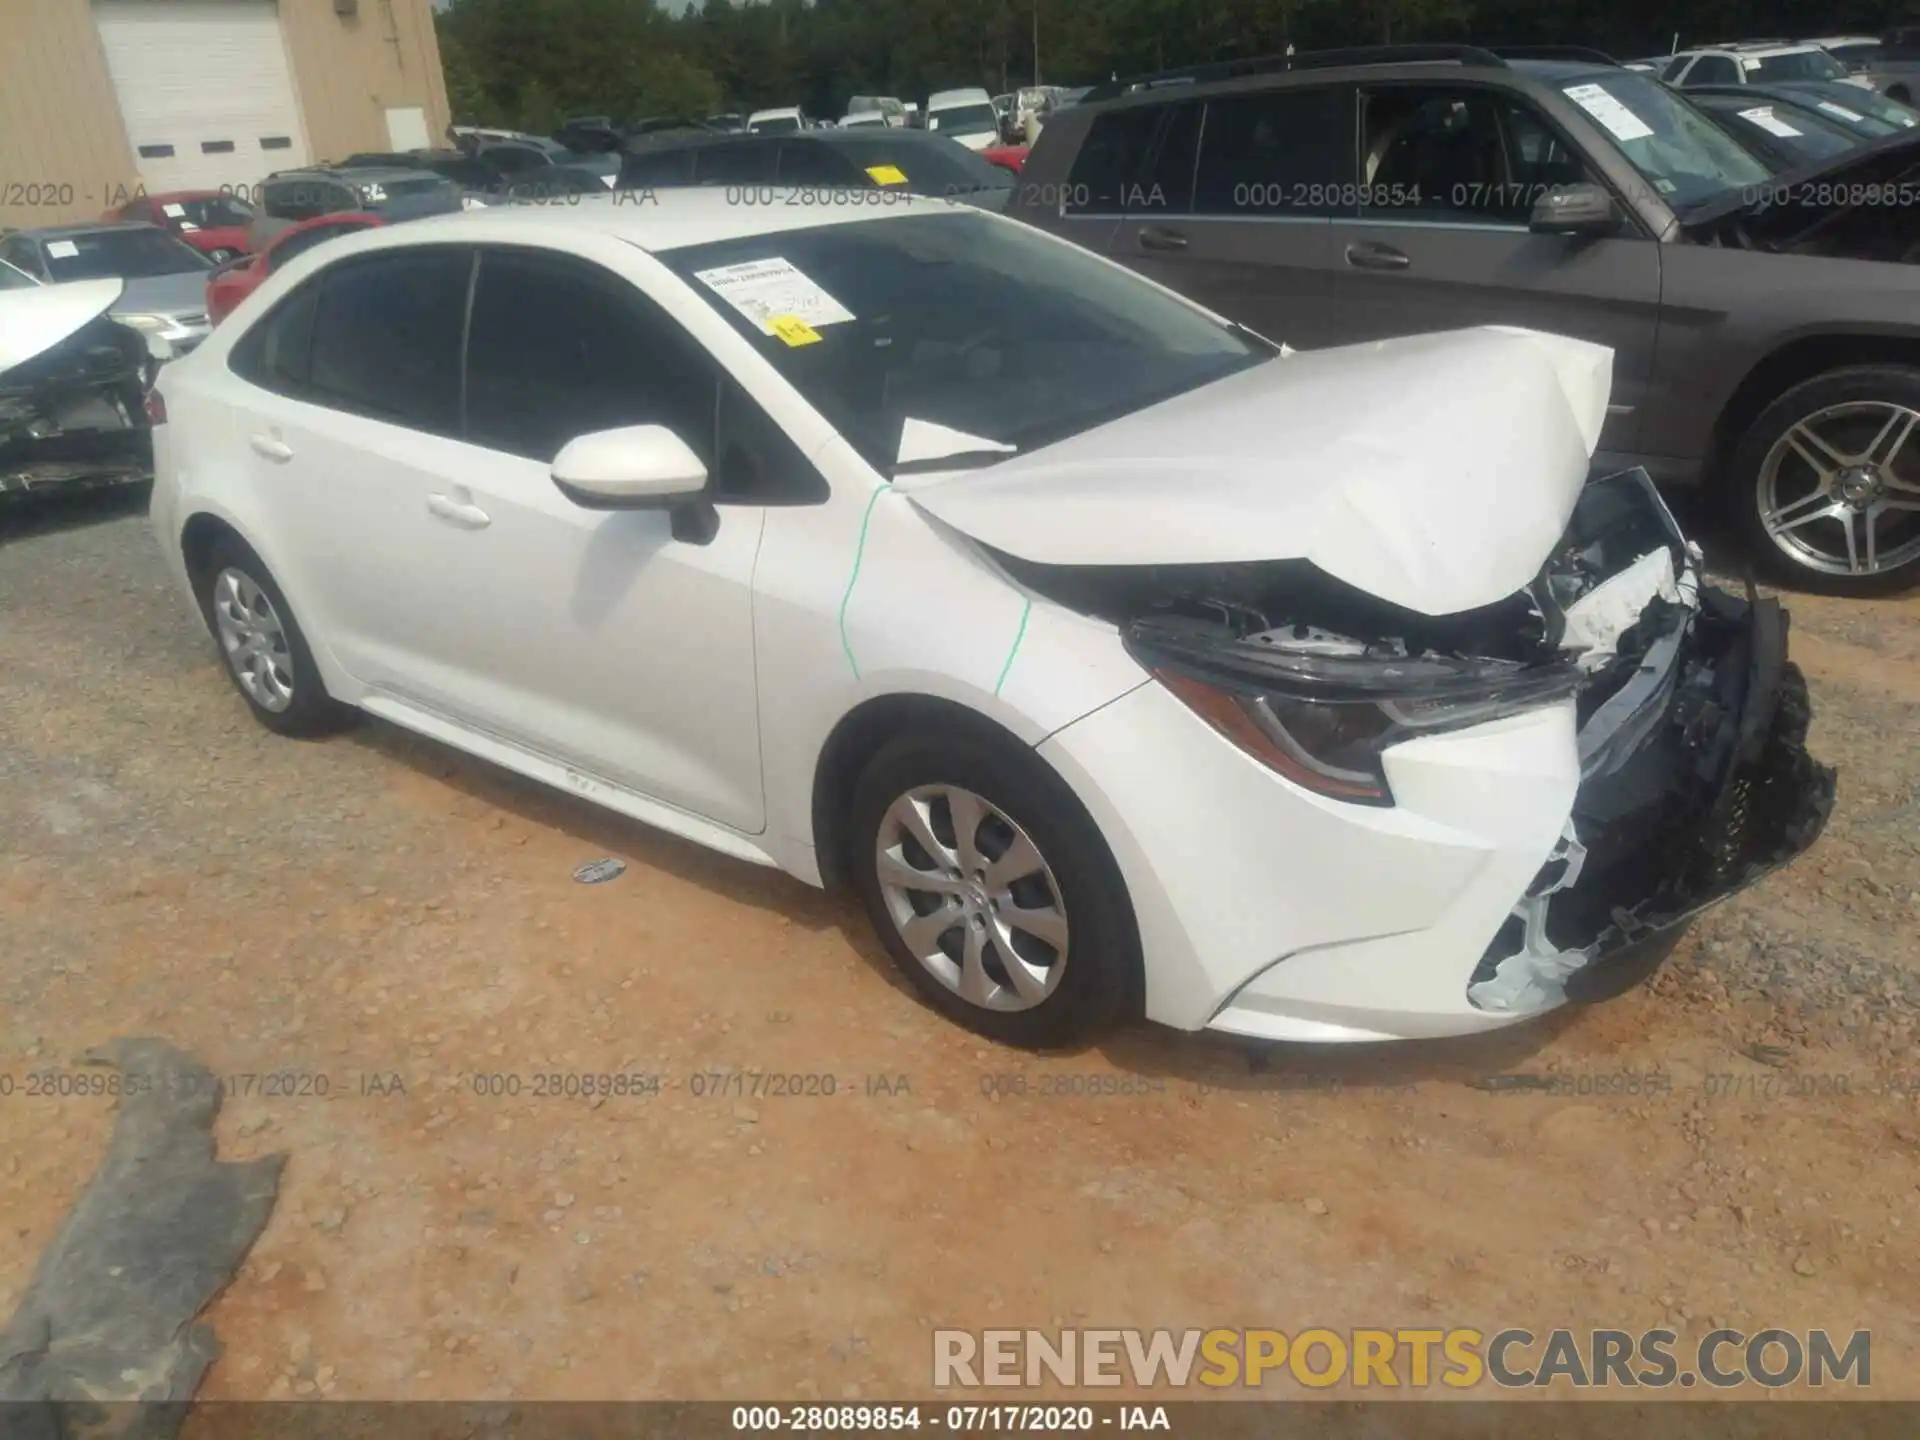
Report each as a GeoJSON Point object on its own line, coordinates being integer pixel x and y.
{"type": "Point", "coordinates": [1158, 237]}
{"type": "Point", "coordinates": [467, 517]}
{"type": "Point", "coordinates": [1374, 256]}
{"type": "Point", "coordinates": [276, 450]}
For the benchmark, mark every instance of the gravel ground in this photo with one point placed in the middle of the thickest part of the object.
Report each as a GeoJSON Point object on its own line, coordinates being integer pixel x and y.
{"type": "Point", "coordinates": [379, 917]}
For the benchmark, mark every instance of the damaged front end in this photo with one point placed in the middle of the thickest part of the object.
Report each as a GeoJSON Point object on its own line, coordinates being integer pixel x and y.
{"type": "Point", "coordinates": [74, 414]}
{"type": "Point", "coordinates": [1691, 722]}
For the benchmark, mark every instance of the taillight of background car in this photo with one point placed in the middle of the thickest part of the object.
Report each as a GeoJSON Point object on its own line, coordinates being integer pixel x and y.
{"type": "Point", "coordinates": [156, 408]}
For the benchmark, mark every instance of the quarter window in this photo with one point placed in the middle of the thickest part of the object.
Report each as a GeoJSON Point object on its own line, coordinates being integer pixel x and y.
{"type": "Point", "coordinates": [386, 340]}
{"type": "Point", "coordinates": [1279, 152]}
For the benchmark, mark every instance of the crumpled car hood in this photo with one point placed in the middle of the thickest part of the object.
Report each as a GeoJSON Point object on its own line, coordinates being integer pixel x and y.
{"type": "Point", "coordinates": [33, 321]}
{"type": "Point", "coordinates": [1435, 472]}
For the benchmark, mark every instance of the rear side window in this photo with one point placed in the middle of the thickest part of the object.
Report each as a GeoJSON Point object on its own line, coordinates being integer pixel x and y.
{"type": "Point", "coordinates": [1278, 153]}
{"type": "Point", "coordinates": [1675, 66]}
{"type": "Point", "coordinates": [1166, 187]}
{"type": "Point", "coordinates": [276, 353]}
{"type": "Point", "coordinates": [1112, 157]}
{"type": "Point", "coordinates": [386, 340]}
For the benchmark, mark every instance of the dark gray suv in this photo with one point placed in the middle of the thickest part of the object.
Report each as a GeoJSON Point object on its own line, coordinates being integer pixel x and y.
{"type": "Point", "coordinates": [1765, 327]}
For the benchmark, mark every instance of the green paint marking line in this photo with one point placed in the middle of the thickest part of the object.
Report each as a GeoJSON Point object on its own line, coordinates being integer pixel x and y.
{"type": "Point", "coordinates": [859, 554]}
{"type": "Point", "coordinates": [1019, 635]}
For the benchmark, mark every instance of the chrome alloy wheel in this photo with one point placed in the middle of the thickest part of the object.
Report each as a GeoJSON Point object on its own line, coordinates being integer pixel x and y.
{"type": "Point", "coordinates": [972, 897]}
{"type": "Point", "coordinates": [1831, 495]}
{"type": "Point", "coordinates": [253, 640]}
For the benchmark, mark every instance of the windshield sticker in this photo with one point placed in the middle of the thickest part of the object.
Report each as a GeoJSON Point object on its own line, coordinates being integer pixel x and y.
{"type": "Point", "coordinates": [887, 174]}
{"type": "Point", "coordinates": [1748, 63]}
{"type": "Point", "coordinates": [176, 211]}
{"type": "Point", "coordinates": [1764, 117]}
{"type": "Point", "coordinates": [1843, 112]}
{"type": "Point", "coordinates": [188, 225]}
{"type": "Point", "coordinates": [793, 330]}
{"type": "Point", "coordinates": [62, 249]}
{"type": "Point", "coordinates": [771, 289]}
{"type": "Point", "coordinates": [924, 440]}
{"type": "Point", "coordinates": [1598, 102]}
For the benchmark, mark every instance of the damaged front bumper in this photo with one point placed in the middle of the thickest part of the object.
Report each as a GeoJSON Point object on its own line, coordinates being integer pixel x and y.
{"type": "Point", "coordinates": [74, 415]}
{"type": "Point", "coordinates": [1715, 790]}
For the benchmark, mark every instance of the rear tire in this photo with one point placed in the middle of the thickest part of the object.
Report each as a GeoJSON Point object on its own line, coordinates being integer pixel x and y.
{"type": "Point", "coordinates": [1030, 874]}
{"type": "Point", "coordinates": [261, 645]}
{"type": "Point", "coordinates": [1832, 462]}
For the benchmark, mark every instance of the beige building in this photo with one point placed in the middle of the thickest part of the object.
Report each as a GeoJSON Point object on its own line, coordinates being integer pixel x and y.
{"type": "Point", "coordinates": [99, 97]}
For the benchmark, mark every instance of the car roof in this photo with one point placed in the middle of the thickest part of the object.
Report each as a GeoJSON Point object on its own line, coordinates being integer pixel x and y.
{"type": "Point", "coordinates": [669, 219]}
{"type": "Point", "coordinates": [1756, 49]}
{"type": "Point", "coordinates": [967, 95]}
{"type": "Point", "coordinates": [85, 227]}
{"type": "Point", "coordinates": [778, 112]}
{"type": "Point", "coordinates": [1559, 72]}
{"type": "Point", "coordinates": [361, 174]}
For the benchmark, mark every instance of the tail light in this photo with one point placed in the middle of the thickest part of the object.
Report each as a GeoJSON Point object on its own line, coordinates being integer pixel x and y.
{"type": "Point", "coordinates": [156, 408]}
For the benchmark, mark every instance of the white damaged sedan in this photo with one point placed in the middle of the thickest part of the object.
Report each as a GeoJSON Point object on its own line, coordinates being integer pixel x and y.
{"type": "Point", "coordinates": [1120, 660]}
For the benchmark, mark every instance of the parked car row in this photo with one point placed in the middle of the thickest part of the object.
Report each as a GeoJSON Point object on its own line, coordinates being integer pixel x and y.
{"type": "Point", "coordinates": [1332, 199]}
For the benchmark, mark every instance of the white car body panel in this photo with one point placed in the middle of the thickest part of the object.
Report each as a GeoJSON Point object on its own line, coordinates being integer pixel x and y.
{"type": "Point", "coordinates": [695, 687]}
{"type": "Point", "coordinates": [1393, 503]}
{"type": "Point", "coordinates": [37, 318]}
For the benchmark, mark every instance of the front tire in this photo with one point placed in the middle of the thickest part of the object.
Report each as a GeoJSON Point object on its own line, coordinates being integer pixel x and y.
{"type": "Point", "coordinates": [260, 643]}
{"type": "Point", "coordinates": [1825, 484]}
{"type": "Point", "coordinates": [993, 891]}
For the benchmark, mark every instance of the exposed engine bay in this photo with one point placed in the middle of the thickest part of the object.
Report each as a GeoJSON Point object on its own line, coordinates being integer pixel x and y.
{"type": "Point", "coordinates": [74, 413]}
{"type": "Point", "coordinates": [1691, 722]}
{"type": "Point", "coordinates": [1871, 212]}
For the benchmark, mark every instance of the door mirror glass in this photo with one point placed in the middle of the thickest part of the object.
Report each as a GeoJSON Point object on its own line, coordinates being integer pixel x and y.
{"type": "Point", "coordinates": [1584, 209]}
{"type": "Point", "coordinates": [637, 467]}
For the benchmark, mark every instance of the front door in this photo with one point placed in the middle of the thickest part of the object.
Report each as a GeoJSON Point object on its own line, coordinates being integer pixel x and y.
{"type": "Point", "coordinates": [1451, 175]}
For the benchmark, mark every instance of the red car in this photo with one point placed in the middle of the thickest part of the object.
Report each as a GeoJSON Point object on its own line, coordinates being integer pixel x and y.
{"type": "Point", "coordinates": [238, 279]}
{"type": "Point", "coordinates": [212, 221]}
{"type": "Point", "coordinates": [1007, 157]}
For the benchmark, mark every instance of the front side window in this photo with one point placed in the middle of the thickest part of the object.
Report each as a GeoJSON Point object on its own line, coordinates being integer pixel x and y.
{"type": "Point", "coordinates": [513, 159]}
{"type": "Point", "coordinates": [12, 277]}
{"type": "Point", "coordinates": [905, 161]}
{"type": "Point", "coordinates": [386, 337]}
{"type": "Point", "coordinates": [1683, 155]}
{"type": "Point", "coordinates": [558, 350]}
{"type": "Point", "coordinates": [294, 200]}
{"type": "Point", "coordinates": [216, 212]}
{"type": "Point", "coordinates": [1675, 66]}
{"type": "Point", "coordinates": [1714, 70]}
{"type": "Point", "coordinates": [133, 254]}
{"type": "Point", "coordinates": [22, 253]}
{"type": "Point", "coordinates": [925, 337]}
{"type": "Point", "coordinates": [804, 163]}
{"type": "Point", "coordinates": [657, 169]}
{"type": "Point", "coordinates": [1460, 154]}
{"type": "Point", "coordinates": [1279, 152]}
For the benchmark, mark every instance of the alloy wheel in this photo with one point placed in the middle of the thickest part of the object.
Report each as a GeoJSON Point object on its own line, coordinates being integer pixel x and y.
{"type": "Point", "coordinates": [972, 897]}
{"type": "Point", "coordinates": [253, 640]}
{"type": "Point", "coordinates": [1832, 495]}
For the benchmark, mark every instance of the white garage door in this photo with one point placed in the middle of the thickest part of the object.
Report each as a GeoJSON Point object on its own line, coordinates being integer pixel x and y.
{"type": "Point", "coordinates": [204, 90]}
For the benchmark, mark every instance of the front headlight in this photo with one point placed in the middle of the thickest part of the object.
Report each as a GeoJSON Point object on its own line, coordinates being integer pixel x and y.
{"type": "Point", "coordinates": [1323, 711]}
{"type": "Point", "coordinates": [472, 202]}
{"type": "Point", "coordinates": [146, 322]}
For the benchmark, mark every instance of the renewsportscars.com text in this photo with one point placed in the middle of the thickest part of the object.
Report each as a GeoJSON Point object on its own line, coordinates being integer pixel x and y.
{"type": "Point", "coordinates": [1457, 1359]}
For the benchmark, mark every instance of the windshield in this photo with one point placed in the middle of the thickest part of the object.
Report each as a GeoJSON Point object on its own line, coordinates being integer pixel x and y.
{"type": "Point", "coordinates": [598, 162]}
{"type": "Point", "coordinates": [14, 278]}
{"type": "Point", "coordinates": [1856, 110]}
{"type": "Point", "coordinates": [128, 254]}
{"type": "Point", "coordinates": [1804, 65]}
{"type": "Point", "coordinates": [1787, 133]}
{"type": "Point", "coordinates": [1687, 158]}
{"type": "Point", "coordinates": [927, 338]}
{"type": "Point", "coordinates": [214, 212]}
{"type": "Point", "coordinates": [930, 167]}
{"type": "Point", "coordinates": [778, 125]}
{"type": "Point", "coordinates": [963, 120]}
{"type": "Point", "coordinates": [1859, 55]}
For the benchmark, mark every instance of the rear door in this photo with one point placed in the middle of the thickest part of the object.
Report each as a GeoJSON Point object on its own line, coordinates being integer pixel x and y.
{"type": "Point", "coordinates": [1236, 204]}
{"type": "Point", "coordinates": [1441, 240]}
{"type": "Point", "coordinates": [1083, 198]}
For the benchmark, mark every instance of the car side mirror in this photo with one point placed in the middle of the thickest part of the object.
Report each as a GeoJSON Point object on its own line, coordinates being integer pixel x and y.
{"type": "Point", "coordinates": [1583, 209]}
{"type": "Point", "coordinates": [638, 467]}
{"type": "Point", "coordinates": [234, 263]}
